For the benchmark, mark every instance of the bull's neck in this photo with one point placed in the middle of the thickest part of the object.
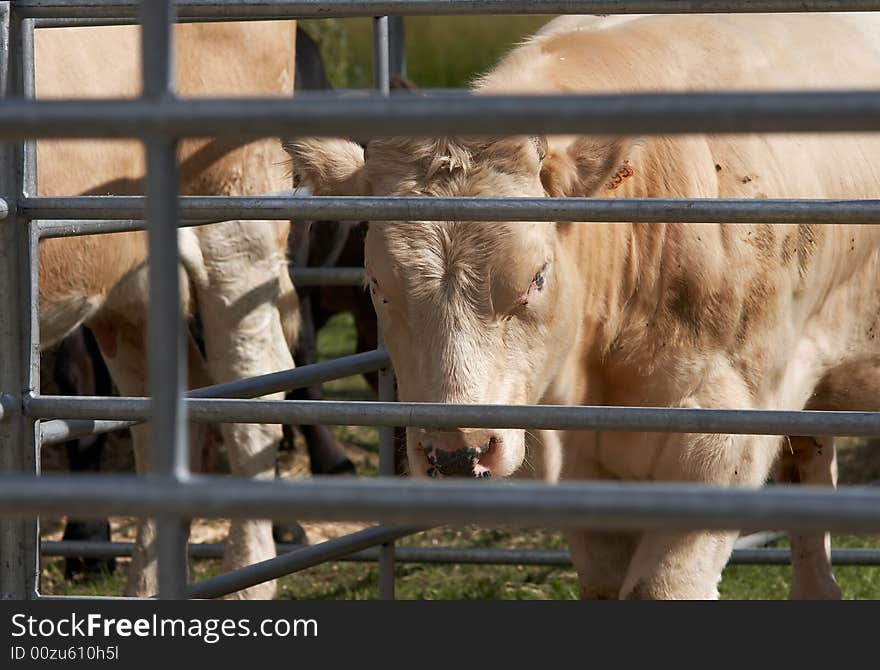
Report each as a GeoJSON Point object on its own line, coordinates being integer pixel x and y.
{"type": "Point", "coordinates": [618, 259]}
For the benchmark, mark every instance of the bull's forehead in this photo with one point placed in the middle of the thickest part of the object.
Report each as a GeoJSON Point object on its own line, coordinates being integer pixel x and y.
{"type": "Point", "coordinates": [450, 167]}
{"type": "Point", "coordinates": [475, 265]}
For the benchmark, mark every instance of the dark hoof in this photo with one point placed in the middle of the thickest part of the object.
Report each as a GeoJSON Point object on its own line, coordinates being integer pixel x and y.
{"type": "Point", "coordinates": [343, 467]}
{"type": "Point", "coordinates": [291, 533]}
{"type": "Point", "coordinates": [87, 531]}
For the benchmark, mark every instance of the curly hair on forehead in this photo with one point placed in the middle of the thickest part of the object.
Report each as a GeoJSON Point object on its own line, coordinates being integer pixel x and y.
{"type": "Point", "coordinates": [432, 155]}
{"type": "Point", "coordinates": [442, 158]}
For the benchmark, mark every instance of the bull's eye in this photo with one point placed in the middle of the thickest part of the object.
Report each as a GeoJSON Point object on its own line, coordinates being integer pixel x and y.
{"type": "Point", "coordinates": [538, 281]}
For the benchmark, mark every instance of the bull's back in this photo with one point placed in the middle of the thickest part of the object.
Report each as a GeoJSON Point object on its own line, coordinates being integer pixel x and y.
{"type": "Point", "coordinates": [745, 52]}
{"type": "Point", "coordinates": [216, 59]}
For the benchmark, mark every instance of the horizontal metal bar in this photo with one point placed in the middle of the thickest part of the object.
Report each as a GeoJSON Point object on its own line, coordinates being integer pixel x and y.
{"type": "Point", "coordinates": [62, 430]}
{"type": "Point", "coordinates": [651, 210]}
{"type": "Point", "coordinates": [401, 502]}
{"type": "Point", "coordinates": [743, 554]}
{"type": "Point", "coordinates": [439, 415]}
{"type": "Point", "coordinates": [58, 431]}
{"type": "Point", "coordinates": [615, 114]}
{"type": "Point", "coordinates": [562, 559]}
{"type": "Point", "coordinates": [80, 597]}
{"type": "Point", "coordinates": [78, 227]}
{"type": "Point", "coordinates": [303, 558]}
{"type": "Point", "coordinates": [97, 22]}
{"type": "Point", "coordinates": [327, 276]}
{"type": "Point", "coordinates": [64, 227]}
{"type": "Point", "coordinates": [250, 9]}
{"type": "Point", "coordinates": [287, 380]}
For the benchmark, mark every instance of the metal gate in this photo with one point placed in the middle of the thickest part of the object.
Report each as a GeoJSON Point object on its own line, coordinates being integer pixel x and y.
{"type": "Point", "coordinates": [170, 493]}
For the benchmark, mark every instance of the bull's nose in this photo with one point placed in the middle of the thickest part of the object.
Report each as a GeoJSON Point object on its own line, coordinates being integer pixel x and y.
{"type": "Point", "coordinates": [465, 462]}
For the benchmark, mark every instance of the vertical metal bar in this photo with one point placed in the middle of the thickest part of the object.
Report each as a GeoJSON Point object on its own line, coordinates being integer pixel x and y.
{"type": "Point", "coordinates": [30, 336]}
{"type": "Point", "coordinates": [167, 355]}
{"type": "Point", "coordinates": [381, 68]}
{"type": "Point", "coordinates": [382, 81]}
{"type": "Point", "coordinates": [386, 469]}
{"type": "Point", "coordinates": [397, 47]}
{"type": "Point", "coordinates": [19, 354]}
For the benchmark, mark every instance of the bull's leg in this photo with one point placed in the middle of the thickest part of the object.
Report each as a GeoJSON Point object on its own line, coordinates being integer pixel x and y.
{"type": "Point", "coordinates": [669, 565]}
{"type": "Point", "coordinates": [601, 559]}
{"type": "Point", "coordinates": [79, 370]}
{"type": "Point", "coordinates": [672, 564]}
{"type": "Point", "coordinates": [239, 300]}
{"type": "Point", "coordinates": [810, 461]}
{"type": "Point", "coordinates": [122, 347]}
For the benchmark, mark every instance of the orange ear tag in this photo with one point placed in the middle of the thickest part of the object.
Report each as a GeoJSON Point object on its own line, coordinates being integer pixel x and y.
{"type": "Point", "coordinates": [623, 173]}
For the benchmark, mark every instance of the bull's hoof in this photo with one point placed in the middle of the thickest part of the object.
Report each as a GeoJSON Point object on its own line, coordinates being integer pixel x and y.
{"type": "Point", "coordinates": [343, 467]}
{"type": "Point", "coordinates": [87, 531]}
{"type": "Point", "coordinates": [291, 533]}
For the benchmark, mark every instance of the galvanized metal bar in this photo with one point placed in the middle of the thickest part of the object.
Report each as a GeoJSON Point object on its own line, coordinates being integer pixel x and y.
{"type": "Point", "coordinates": [352, 208]}
{"type": "Point", "coordinates": [295, 561]}
{"type": "Point", "coordinates": [400, 501]}
{"type": "Point", "coordinates": [79, 227]}
{"type": "Point", "coordinates": [562, 559]}
{"type": "Point", "coordinates": [449, 555]}
{"type": "Point", "coordinates": [89, 598]}
{"type": "Point", "coordinates": [292, 9]}
{"type": "Point", "coordinates": [616, 114]}
{"type": "Point", "coordinates": [396, 47]}
{"type": "Point", "coordinates": [166, 350]}
{"type": "Point", "coordinates": [58, 431]}
{"type": "Point", "coordinates": [382, 83]}
{"type": "Point", "coordinates": [62, 430]}
{"type": "Point", "coordinates": [288, 380]}
{"type": "Point", "coordinates": [381, 64]}
{"type": "Point", "coordinates": [19, 569]}
{"type": "Point", "coordinates": [439, 415]}
{"type": "Point", "coordinates": [386, 469]}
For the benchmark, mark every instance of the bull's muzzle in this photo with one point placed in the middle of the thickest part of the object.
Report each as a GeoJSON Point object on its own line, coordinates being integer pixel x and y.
{"type": "Point", "coordinates": [469, 460]}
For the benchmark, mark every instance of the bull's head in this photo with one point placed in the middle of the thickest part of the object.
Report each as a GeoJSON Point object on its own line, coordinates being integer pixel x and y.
{"type": "Point", "coordinates": [471, 312]}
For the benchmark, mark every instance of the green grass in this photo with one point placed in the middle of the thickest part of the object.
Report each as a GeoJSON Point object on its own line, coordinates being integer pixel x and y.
{"type": "Point", "coordinates": [441, 52]}
{"type": "Point", "coordinates": [771, 582]}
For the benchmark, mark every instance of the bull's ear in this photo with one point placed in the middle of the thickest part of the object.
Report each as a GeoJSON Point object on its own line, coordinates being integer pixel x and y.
{"type": "Point", "coordinates": [584, 166]}
{"type": "Point", "coordinates": [327, 166]}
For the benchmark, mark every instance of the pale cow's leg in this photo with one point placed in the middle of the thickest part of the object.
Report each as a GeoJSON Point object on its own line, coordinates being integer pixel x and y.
{"type": "Point", "coordinates": [810, 461]}
{"type": "Point", "coordinates": [852, 386]}
{"type": "Point", "coordinates": [238, 299]}
{"type": "Point", "coordinates": [122, 346]}
{"type": "Point", "coordinates": [123, 349]}
{"type": "Point", "coordinates": [601, 559]}
{"type": "Point", "coordinates": [686, 564]}
{"type": "Point", "coordinates": [672, 564]}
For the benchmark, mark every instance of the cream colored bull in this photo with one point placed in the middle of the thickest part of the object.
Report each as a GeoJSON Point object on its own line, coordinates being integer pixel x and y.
{"type": "Point", "coordinates": [234, 273]}
{"type": "Point", "coordinates": [715, 316]}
